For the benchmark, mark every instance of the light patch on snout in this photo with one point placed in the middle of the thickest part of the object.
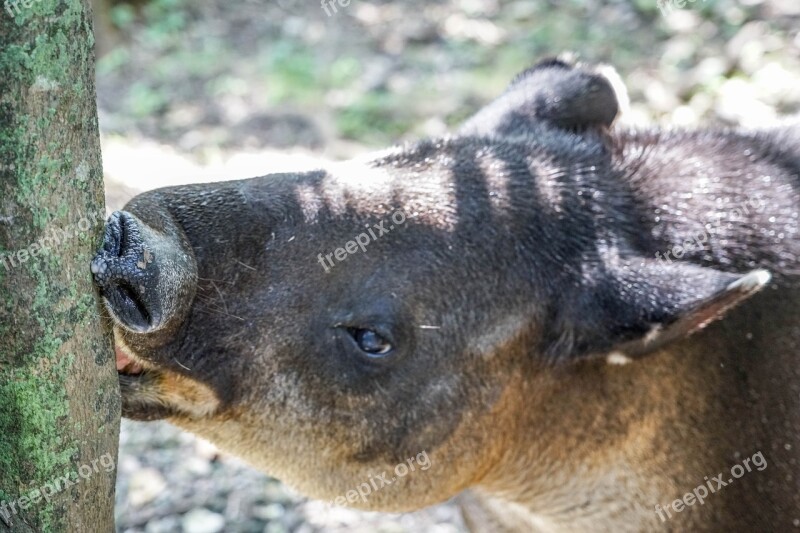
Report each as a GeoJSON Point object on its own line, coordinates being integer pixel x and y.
{"type": "Point", "coordinates": [181, 395]}
{"type": "Point", "coordinates": [187, 395]}
{"type": "Point", "coordinates": [168, 388]}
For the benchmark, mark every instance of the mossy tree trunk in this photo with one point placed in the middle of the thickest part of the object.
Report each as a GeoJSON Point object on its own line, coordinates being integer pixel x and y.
{"type": "Point", "coordinates": [59, 395]}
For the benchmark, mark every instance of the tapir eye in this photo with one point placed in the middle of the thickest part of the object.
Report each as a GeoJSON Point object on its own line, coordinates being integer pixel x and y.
{"type": "Point", "coordinates": [371, 342]}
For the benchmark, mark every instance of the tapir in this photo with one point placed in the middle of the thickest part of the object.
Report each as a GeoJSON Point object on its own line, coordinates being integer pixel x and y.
{"type": "Point", "coordinates": [583, 327]}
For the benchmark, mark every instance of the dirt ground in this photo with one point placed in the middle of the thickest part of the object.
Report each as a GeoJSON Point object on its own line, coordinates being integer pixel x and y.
{"type": "Point", "coordinates": [205, 90]}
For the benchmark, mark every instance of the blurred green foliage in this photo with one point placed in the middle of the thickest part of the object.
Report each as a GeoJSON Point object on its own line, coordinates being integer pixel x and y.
{"type": "Point", "coordinates": [271, 60]}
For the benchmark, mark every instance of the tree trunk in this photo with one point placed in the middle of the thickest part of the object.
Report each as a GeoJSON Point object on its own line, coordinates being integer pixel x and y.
{"type": "Point", "coordinates": [59, 393]}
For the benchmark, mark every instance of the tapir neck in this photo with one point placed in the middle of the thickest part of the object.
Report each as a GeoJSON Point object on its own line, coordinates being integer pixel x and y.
{"type": "Point", "coordinates": [613, 447]}
{"type": "Point", "coordinates": [722, 199]}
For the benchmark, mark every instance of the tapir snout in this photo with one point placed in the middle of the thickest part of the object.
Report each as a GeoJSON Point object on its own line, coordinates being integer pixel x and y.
{"type": "Point", "coordinates": [144, 275]}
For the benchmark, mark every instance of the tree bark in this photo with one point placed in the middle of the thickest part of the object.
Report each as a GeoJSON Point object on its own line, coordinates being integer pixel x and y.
{"type": "Point", "coordinates": [59, 392]}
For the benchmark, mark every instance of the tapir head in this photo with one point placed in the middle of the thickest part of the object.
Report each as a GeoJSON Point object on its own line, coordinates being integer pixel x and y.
{"type": "Point", "coordinates": [328, 326]}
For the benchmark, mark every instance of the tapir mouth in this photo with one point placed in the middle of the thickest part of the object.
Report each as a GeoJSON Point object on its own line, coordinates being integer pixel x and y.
{"type": "Point", "coordinates": [138, 382]}
{"type": "Point", "coordinates": [126, 364]}
{"type": "Point", "coordinates": [152, 392]}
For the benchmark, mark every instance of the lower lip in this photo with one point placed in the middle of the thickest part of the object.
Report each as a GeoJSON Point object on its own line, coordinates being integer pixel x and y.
{"type": "Point", "coordinates": [124, 362]}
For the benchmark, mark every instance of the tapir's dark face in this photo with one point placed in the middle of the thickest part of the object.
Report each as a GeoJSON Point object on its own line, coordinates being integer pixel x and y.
{"type": "Point", "coordinates": [330, 325]}
{"type": "Point", "coordinates": [236, 319]}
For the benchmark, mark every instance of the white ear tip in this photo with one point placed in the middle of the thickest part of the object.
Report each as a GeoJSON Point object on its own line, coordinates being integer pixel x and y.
{"type": "Point", "coordinates": [613, 77]}
{"type": "Point", "coordinates": [617, 358]}
{"type": "Point", "coordinates": [752, 281]}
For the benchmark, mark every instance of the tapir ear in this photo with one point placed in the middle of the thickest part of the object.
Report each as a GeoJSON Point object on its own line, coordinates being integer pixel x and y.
{"type": "Point", "coordinates": [556, 93]}
{"type": "Point", "coordinates": [639, 309]}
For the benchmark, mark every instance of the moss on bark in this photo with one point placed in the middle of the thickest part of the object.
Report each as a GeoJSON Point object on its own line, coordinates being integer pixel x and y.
{"type": "Point", "coordinates": [59, 399]}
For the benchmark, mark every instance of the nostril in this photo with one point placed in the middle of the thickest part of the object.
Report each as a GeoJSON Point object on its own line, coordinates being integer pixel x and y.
{"type": "Point", "coordinates": [123, 234]}
{"type": "Point", "coordinates": [126, 274]}
{"type": "Point", "coordinates": [138, 312]}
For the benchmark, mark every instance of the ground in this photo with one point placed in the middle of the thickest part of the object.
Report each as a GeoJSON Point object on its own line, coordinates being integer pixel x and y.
{"type": "Point", "coordinates": [208, 89]}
